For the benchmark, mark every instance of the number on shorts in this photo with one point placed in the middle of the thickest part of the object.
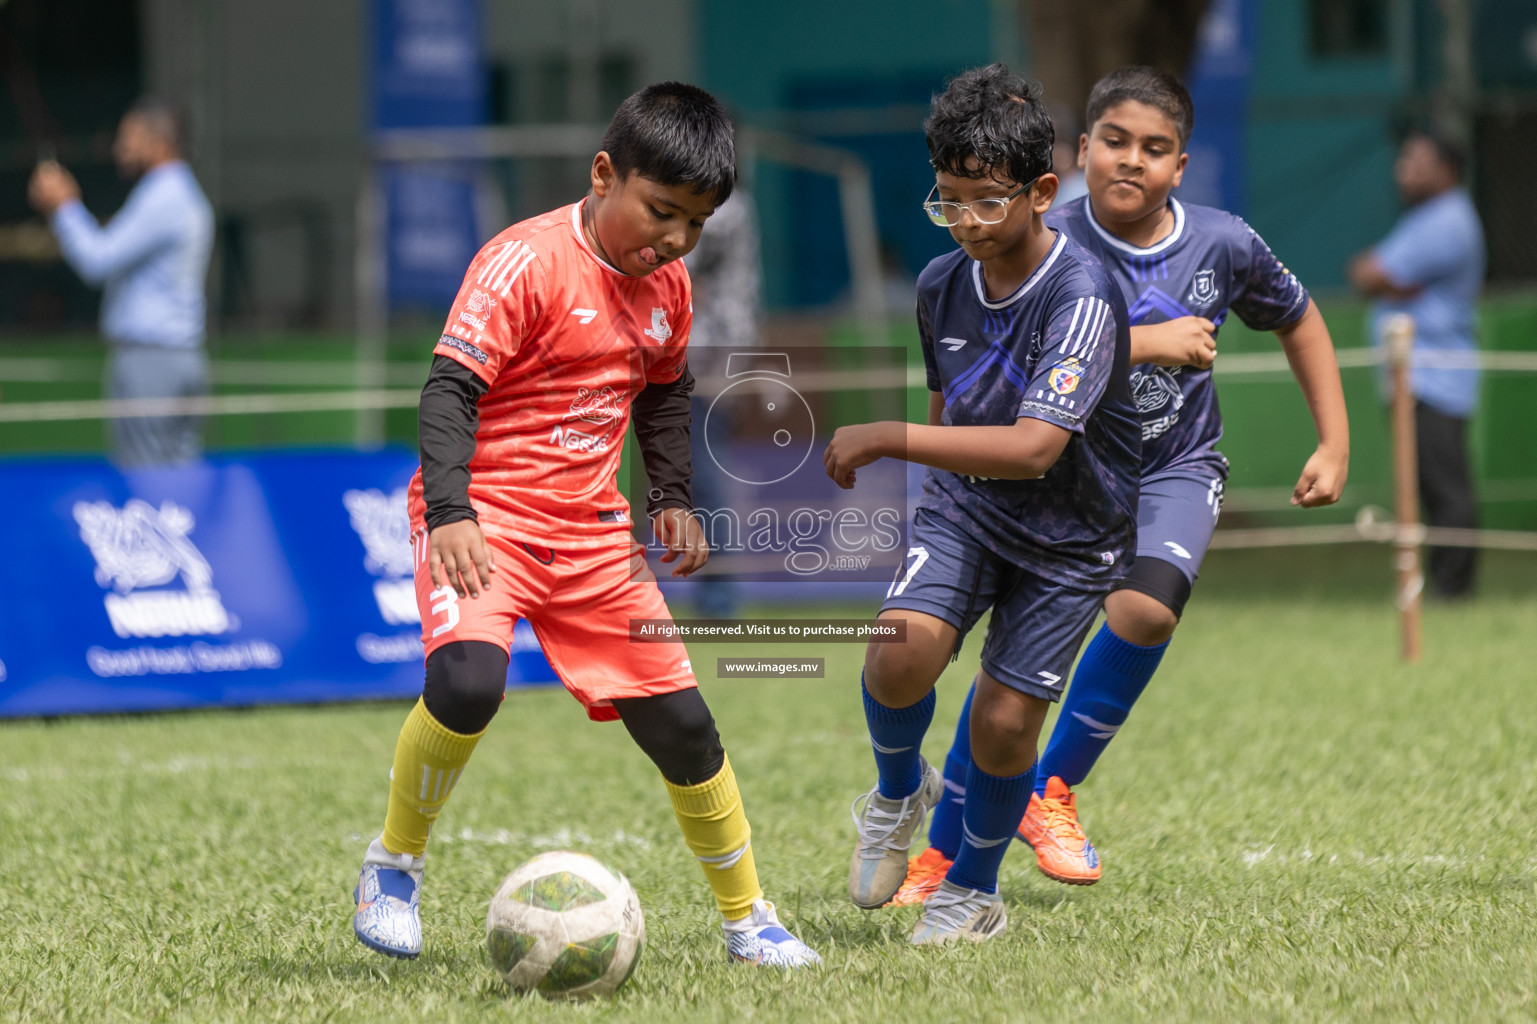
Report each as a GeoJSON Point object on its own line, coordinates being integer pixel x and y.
{"type": "Point", "coordinates": [919, 556]}
{"type": "Point", "coordinates": [446, 601]}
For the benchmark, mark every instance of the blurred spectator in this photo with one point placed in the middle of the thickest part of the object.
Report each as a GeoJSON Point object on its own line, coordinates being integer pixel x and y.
{"type": "Point", "coordinates": [727, 273]}
{"type": "Point", "coordinates": [151, 261]}
{"type": "Point", "coordinates": [1064, 158]}
{"type": "Point", "coordinates": [1431, 266]}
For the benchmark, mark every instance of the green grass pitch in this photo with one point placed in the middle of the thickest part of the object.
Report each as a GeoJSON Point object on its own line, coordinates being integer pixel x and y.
{"type": "Point", "coordinates": [1294, 827]}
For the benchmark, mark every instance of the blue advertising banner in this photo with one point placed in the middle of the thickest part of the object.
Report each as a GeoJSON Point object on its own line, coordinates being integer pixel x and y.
{"type": "Point", "coordinates": [262, 579]}
{"type": "Point", "coordinates": [1217, 174]}
{"type": "Point", "coordinates": [428, 71]}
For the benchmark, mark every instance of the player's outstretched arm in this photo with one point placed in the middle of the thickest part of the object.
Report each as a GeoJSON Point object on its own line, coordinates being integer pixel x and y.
{"type": "Point", "coordinates": [1023, 450]}
{"type": "Point", "coordinates": [1187, 341]}
{"type": "Point", "coordinates": [1310, 351]}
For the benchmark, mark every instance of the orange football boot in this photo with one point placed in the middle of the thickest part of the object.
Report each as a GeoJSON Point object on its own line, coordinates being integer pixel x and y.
{"type": "Point", "coordinates": [1050, 826]}
{"type": "Point", "coordinates": [924, 873]}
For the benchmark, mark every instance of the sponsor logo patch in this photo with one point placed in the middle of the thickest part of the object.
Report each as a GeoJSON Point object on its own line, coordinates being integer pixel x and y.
{"type": "Point", "coordinates": [1065, 376]}
{"type": "Point", "coordinates": [600, 406]}
{"type": "Point", "coordinates": [474, 353]}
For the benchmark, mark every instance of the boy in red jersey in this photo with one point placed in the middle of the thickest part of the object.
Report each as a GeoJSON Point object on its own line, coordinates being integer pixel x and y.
{"type": "Point", "coordinates": [565, 323]}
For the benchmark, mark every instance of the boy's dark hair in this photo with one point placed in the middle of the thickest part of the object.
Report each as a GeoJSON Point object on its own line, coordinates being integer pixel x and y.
{"type": "Point", "coordinates": [1158, 89]}
{"type": "Point", "coordinates": [674, 134]}
{"type": "Point", "coordinates": [990, 121]}
{"type": "Point", "coordinates": [1452, 156]}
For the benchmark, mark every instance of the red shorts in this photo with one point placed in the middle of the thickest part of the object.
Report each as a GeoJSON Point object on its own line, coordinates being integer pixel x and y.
{"type": "Point", "coordinates": [579, 604]}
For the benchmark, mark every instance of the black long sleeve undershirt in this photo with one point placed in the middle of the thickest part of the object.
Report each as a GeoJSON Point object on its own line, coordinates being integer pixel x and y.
{"type": "Point", "coordinates": [662, 419]}
{"type": "Point", "coordinates": [446, 423]}
{"type": "Point", "coordinates": [449, 415]}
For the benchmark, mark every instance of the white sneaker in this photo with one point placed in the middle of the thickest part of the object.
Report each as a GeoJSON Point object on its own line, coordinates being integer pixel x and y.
{"type": "Point", "coordinates": [388, 897]}
{"type": "Point", "coordinates": [954, 913]}
{"type": "Point", "coordinates": [886, 831]}
{"type": "Point", "coordinates": [760, 939]}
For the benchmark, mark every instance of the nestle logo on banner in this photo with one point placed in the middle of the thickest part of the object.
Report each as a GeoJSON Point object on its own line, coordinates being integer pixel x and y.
{"type": "Point", "coordinates": [139, 546]}
{"type": "Point", "coordinates": [384, 527]}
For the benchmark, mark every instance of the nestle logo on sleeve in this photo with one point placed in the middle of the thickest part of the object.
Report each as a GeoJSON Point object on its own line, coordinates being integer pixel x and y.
{"type": "Point", "coordinates": [474, 353]}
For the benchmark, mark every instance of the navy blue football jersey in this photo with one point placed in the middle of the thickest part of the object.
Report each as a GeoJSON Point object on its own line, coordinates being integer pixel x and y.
{"type": "Point", "coordinates": [1055, 350]}
{"type": "Point", "coordinates": [1210, 263]}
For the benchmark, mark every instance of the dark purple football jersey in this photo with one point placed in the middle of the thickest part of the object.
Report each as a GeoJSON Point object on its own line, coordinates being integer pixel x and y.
{"type": "Point", "coordinates": [1056, 350]}
{"type": "Point", "coordinates": [1210, 263]}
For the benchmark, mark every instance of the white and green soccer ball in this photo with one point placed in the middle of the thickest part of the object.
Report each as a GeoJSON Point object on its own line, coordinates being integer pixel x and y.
{"type": "Point", "coordinates": [565, 926]}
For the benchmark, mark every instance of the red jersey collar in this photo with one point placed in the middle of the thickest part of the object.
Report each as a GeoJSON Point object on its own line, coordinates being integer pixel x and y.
{"type": "Point", "coordinates": [581, 238]}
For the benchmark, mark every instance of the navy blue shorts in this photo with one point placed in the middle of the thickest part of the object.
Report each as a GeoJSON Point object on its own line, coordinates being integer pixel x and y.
{"type": "Point", "coordinates": [1037, 624]}
{"type": "Point", "coordinates": [1175, 519]}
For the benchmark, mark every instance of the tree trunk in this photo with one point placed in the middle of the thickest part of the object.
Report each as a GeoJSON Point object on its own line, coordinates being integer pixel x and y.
{"type": "Point", "coordinates": [1075, 42]}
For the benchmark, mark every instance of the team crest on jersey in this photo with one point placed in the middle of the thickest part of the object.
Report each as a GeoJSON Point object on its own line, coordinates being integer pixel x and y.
{"type": "Point", "coordinates": [1203, 290]}
{"type": "Point", "coordinates": [1065, 376]}
{"type": "Point", "coordinates": [601, 406]}
{"type": "Point", "coordinates": [660, 329]}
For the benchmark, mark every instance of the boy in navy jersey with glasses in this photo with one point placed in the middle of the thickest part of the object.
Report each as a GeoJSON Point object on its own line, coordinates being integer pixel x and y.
{"type": "Point", "coordinates": [1182, 269]}
{"type": "Point", "coordinates": [1029, 504]}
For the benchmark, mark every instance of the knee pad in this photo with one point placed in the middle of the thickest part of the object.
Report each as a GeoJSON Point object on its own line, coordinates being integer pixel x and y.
{"type": "Point", "coordinates": [677, 731]}
{"type": "Point", "coordinates": [1163, 581]}
{"type": "Point", "coordinates": [465, 684]}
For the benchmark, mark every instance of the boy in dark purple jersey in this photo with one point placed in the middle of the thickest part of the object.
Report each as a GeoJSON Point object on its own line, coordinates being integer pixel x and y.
{"type": "Point", "coordinates": [1181, 268]}
{"type": "Point", "coordinates": [1028, 507]}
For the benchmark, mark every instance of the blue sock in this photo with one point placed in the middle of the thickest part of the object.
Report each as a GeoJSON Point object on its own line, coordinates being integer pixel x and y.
{"type": "Point", "coordinates": [945, 824]}
{"type": "Point", "coordinates": [897, 734]}
{"type": "Point", "coordinates": [1111, 676]}
{"type": "Point", "coordinates": [994, 805]}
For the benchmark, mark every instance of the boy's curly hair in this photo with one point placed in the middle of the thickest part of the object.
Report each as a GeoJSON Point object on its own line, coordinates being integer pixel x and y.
{"type": "Point", "coordinates": [990, 122]}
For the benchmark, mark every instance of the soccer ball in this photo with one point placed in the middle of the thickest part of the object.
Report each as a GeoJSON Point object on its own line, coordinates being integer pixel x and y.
{"type": "Point", "coordinates": [565, 926]}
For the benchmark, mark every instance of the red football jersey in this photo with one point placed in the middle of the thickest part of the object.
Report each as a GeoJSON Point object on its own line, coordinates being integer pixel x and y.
{"type": "Point", "coordinates": [565, 342]}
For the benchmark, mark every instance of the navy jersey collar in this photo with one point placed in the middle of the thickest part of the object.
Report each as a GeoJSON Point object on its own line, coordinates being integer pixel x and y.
{"type": "Point", "coordinates": [1127, 247]}
{"type": "Point", "coordinates": [1030, 282]}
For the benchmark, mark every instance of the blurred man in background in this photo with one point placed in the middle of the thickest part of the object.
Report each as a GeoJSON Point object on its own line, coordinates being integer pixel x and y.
{"type": "Point", "coordinates": [152, 262]}
{"type": "Point", "coordinates": [1431, 266]}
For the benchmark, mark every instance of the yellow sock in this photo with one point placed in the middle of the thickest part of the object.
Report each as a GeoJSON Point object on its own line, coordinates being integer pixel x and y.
{"type": "Point", "coordinates": [715, 828]}
{"type": "Point", "coordinates": [428, 761]}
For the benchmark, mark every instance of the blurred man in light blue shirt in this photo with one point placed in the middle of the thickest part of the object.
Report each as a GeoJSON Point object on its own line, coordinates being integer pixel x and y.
{"type": "Point", "coordinates": [1431, 266]}
{"type": "Point", "coordinates": [152, 263]}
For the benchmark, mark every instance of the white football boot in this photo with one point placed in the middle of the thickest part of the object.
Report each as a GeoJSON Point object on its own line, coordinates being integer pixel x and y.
{"type": "Point", "coordinates": [388, 896]}
{"type": "Point", "coordinates": [760, 939]}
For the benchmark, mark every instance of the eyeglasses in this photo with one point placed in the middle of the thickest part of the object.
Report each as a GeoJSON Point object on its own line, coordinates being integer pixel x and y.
{"type": "Point", "coordinates": [947, 214]}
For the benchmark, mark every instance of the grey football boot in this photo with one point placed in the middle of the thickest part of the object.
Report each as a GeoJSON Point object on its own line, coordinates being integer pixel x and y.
{"type": "Point", "coordinates": [952, 913]}
{"type": "Point", "coordinates": [886, 831]}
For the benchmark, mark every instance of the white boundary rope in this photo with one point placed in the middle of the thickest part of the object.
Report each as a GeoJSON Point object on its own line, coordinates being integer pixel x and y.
{"type": "Point", "coordinates": [208, 405]}
{"type": "Point", "coordinates": [324, 373]}
{"type": "Point", "coordinates": [1373, 526]}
